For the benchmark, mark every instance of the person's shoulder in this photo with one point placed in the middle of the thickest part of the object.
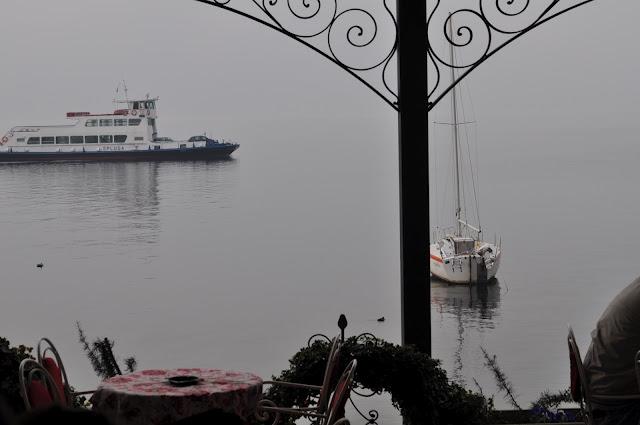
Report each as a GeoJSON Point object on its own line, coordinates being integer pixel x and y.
{"type": "Point", "coordinates": [624, 305]}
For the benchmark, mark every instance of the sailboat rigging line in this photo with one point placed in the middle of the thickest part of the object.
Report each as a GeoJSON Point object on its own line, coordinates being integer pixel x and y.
{"type": "Point", "coordinates": [446, 184]}
{"type": "Point", "coordinates": [473, 182]}
{"type": "Point", "coordinates": [434, 154]}
{"type": "Point", "coordinates": [454, 114]}
{"type": "Point", "coordinates": [441, 206]}
{"type": "Point", "coordinates": [463, 185]}
{"type": "Point", "coordinates": [471, 171]}
{"type": "Point", "coordinates": [474, 175]}
{"type": "Point", "coordinates": [450, 123]}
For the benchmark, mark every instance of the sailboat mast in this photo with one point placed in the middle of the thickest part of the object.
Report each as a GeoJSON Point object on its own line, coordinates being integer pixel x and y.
{"type": "Point", "coordinates": [454, 108]}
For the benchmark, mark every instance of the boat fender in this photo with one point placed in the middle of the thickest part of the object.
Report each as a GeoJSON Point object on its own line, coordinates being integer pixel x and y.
{"type": "Point", "coordinates": [126, 113]}
{"type": "Point", "coordinates": [134, 112]}
{"type": "Point", "coordinates": [5, 139]}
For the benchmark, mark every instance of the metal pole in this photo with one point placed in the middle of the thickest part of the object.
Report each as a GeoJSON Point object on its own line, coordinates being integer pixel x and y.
{"type": "Point", "coordinates": [414, 173]}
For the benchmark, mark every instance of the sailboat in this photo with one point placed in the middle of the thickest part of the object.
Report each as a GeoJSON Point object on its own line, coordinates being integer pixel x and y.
{"type": "Point", "coordinates": [462, 256]}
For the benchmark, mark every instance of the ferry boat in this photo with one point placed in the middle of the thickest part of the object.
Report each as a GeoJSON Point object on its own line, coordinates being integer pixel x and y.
{"type": "Point", "coordinates": [126, 134]}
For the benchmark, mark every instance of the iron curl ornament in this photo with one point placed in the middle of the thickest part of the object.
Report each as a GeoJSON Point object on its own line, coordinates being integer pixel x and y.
{"type": "Point", "coordinates": [360, 36]}
{"type": "Point", "coordinates": [478, 31]}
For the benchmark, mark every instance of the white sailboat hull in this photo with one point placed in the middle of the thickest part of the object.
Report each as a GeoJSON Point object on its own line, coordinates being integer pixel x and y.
{"type": "Point", "coordinates": [464, 268]}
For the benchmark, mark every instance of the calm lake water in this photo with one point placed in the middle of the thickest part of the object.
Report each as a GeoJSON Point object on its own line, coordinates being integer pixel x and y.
{"type": "Point", "coordinates": [234, 264]}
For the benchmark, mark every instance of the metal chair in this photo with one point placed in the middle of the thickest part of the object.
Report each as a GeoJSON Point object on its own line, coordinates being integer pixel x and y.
{"type": "Point", "coordinates": [37, 386]}
{"type": "Point", "coordinates": [267, 407]}
{"type": "Point", "coordinates": [50, 360]}
{"type": "Point", "coordinates": [580, 391]}
{"type": "Point", "coordinates": [637, 366]}
{"type": "Point", "coordinates": [334, 415]}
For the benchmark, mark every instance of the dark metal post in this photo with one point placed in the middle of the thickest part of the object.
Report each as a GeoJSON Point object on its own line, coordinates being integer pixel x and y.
{"type": "Point", "coordinates": [414, 173]}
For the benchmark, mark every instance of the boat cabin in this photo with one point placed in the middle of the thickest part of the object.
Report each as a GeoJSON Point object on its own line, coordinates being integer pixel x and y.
{"type": "Point", "coordinates": [463, 245]}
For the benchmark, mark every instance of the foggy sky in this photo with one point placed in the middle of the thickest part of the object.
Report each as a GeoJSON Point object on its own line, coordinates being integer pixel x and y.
{"type": "Point", "coordinates": [222, 73]}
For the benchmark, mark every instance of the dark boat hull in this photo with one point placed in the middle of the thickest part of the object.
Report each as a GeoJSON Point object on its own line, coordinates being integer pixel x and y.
{"type": "Point", "coordinates": [218, 152]}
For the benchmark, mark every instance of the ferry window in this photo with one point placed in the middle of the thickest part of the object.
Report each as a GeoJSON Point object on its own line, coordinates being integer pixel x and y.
{"type": "Point", "coordinates": [33, 141]}
{"type": "Point", "coordinates": [77, 139]}
{"type": "Point", "coordinates": [91, 139]}
{"type": "Point", "coordinates": [62, 140]}
{"type": "Point", "coordinates": [106, 123]}
{"type": "Point", "coordinates": [119, 138]}
{"type": "Point", "coordinates": [120, 122]}
{"type": "Point", "coordinates": [48, 140]}
{"type": "Point", "coordinates": [135, 105]}
{"type": "Point", "coordinates": [20, 139]}
{"type": "Point", "coordinates": [105, 138]}
{"type": "Point", "coordinates": [139, 138]}
{"type": "Point", "coordinates": [135, 121]}
{"type": "Point", "coordinates": [91, 123]}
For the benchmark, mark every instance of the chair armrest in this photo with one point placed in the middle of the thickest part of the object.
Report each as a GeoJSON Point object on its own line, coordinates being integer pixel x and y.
{"type": "Point", "coordinates": [82, 392]}
{"type": "Point", "coordinates": [616, 397]}
{"type": "Point", "coordinates": [293, 385]}
{"type": "Point", "coordinates": [304, 411]}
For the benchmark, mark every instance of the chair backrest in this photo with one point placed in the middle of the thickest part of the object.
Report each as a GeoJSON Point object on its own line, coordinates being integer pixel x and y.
{"type": "Point", "coordinates": [579, 385]}
{"type": "Point", "coordinates": [637, 366]}
{"type": "Point", "coordinates": [335, 413]}
{"type": "Point", "coordinates": [37, 386]}
{"type": "Point", "coordinates": [330, 373]}
{"type": "Point", "coordinates": [50, 359]}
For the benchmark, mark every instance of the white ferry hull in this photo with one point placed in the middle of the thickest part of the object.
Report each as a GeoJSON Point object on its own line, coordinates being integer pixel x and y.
{"type": "Point", "coordinates": [462, 269]}
{"type": "Point", "coordinates": [190, 153]}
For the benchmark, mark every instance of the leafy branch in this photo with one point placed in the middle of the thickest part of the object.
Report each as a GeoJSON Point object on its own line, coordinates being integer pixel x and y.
{"type": "Point", "coordinates": [504, 384]}
{"type": "Point", "coordinates": [100, 354]}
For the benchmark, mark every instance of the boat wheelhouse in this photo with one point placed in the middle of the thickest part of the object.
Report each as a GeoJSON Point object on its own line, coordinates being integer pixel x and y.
{"type": "Point", "coordinates": [128, 133]}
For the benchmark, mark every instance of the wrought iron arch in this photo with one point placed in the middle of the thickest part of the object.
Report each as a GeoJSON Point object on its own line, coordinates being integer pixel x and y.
{"type": "Point", "coordinates": [315, 23]}
{"type": "Point", "coordinates": [497, 34]}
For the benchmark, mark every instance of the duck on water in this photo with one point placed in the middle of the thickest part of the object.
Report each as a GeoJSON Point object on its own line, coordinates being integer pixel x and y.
{"type": "Point", "coordinates": [130, 133]}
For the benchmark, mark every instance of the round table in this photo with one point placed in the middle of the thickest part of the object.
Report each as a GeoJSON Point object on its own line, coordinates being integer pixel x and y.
{"type": "Point", "coordinates": [146, 397]}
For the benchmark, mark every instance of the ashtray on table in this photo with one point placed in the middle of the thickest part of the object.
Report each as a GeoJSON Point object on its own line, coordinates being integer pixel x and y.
{"type": "Point", "coordinates": [183, 380]}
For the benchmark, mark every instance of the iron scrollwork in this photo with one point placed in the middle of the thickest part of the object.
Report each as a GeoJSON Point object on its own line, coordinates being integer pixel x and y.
{"type": "Point", "coordinates": [475, 34]}
{"type": "Point", "coordinates": [360, 37]}
{"type": "Point", "coordinates": [372, 415]}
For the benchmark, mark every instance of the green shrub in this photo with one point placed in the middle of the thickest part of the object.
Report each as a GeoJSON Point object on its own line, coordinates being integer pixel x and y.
{"type": "Point", "coordinates": [419, 387]}
{"type": "Point", "coordinates": [10, 358]}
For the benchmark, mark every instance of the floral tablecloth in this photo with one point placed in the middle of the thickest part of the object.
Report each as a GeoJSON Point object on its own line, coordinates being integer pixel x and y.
{"type": "Point", "coordinates": [146, 397]}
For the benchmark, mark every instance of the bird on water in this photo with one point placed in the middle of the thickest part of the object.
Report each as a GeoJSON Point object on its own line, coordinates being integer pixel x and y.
{"type": "Point", "coordinates": [40, 265]}
{"type": "Point", "coordinates": [381, 319]}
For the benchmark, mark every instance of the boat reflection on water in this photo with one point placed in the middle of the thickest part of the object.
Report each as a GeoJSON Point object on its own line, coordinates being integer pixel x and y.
{"type": "Point", "coordinates": [108, 206]}
{"type": "Point", "coordinates": [475, 310]}
{"type": "Point", "coordinates": [478, 304]}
